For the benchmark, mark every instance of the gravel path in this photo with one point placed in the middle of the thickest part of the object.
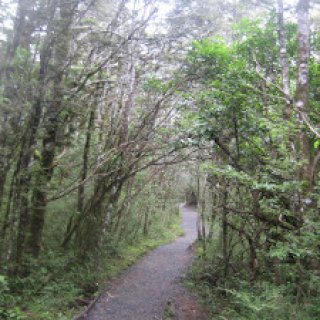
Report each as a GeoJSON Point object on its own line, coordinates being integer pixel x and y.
{"type": "Point", "coordinates": [142, 292]}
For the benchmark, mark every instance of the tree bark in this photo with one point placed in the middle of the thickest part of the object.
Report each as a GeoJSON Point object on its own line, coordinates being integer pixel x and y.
{"type": "Point", "coordinates": [52, 119]}
{"type": "Point", "coordinates": [302, 89]}
{"type": "Point", "coordinates": [84, 170]}
{"type": "Point", "coordinates": [225, 242]}
{"type": "Point", "coordinates": [284, 60]}
{"type": "Point", "coordinates": [22, 30]}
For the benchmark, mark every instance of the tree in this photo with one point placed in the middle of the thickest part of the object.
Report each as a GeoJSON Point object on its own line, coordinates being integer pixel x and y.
{"type": "Point", "coordinates": [240, 112]}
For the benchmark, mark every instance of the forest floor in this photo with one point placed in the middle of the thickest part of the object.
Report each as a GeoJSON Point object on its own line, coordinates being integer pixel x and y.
{"type": "Point", "coordinates": [152, 289]}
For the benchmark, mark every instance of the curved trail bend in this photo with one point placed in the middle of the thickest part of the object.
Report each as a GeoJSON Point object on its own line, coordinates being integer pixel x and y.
{"type": "Point", "coordinates": [142, 292]}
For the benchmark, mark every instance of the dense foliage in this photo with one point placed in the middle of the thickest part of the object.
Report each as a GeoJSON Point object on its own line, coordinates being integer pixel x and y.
{"type": "Point", "coordinates": [258, 194]}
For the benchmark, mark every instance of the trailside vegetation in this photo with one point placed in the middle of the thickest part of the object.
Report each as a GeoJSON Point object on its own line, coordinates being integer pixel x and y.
{"type": "Point", "coordinates": [254, 109]}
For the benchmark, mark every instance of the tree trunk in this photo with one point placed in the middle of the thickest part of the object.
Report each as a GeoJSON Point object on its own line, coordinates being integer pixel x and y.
{"type": "Point", "coordinates": [3, 178]}
{"type": "Point", "coordinates": [91, 229]}
{"type": "Point", "coordinates": [52, 119]}
{"type": "Point", "coordinates": [302, 89]}
{"type": "Point", "coordinates": [284, 60]}
{"type": "Point", "coordinates": [19, 210]}
{"type": "Point", "coordinates": [253, 264]}
{"type": "Point", "coordinates": [225, 242]}
{"type": "Point", "coordinates": [24, 25]}
{"type": "Point", "coordinates": [85, 162]}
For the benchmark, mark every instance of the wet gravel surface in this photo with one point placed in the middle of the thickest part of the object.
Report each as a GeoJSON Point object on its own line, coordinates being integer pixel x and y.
{"type": "Point", "coordinates": [185, 306]}
{"type": "Point", "coordinates": [142, 292]}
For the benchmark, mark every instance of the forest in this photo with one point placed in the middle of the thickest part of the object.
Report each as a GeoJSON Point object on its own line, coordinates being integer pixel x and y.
{"type": "Point", "coordinates": [114, 113]}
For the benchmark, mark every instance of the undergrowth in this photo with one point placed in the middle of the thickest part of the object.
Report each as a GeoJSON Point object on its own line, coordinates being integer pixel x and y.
{"type": "Point", "coordinates": [169, 313]}
{"type": "Point", "coordinates": [237, 298]}
{"type": "Point", "coordinates": [59, 286]}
